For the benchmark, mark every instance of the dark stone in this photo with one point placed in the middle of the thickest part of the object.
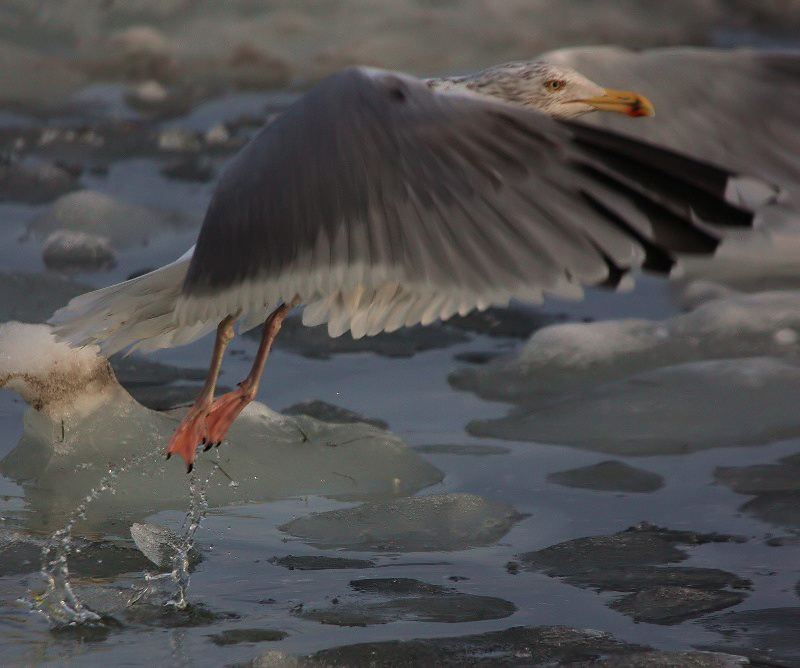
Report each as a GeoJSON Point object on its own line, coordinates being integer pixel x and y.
{"type": "Point", "coordinates": [455, 449]}
{"type": "Point", "coordinates": [169, 616]}
{"type": "Point", "coordinates": [478, 357]}
{"type": "Point", "coordinates": [770, 636]}
{"type": "Point", "coordinates": [35, 183]}
{"type": "Point", "coordinates": [517, 322]}
{"type": "Point", "coordinates": [409, 599]}
{"type": "Point", "coordinates": [151, 383]}
{"type": "Point", "coordinates": [673, 605]}
{"type": "Point", "coordinates": [236, 636]}
{"type": "Point", "coordinates": [517, 646]}
{"type": "Point", "coordinates": [781, 508]}
{"type": "Point", "coordinates": [190, 168]}
{"type": "Point", "coordinates": [761, 478]}
{"type": "Point", "coordinates": [320, 563]}
{"type": "Point", "coordinates": [610, 476]}
{"type": "Point", "coordinates": [21, 554]}
{"type": "Point", "coordinates": [630, 561]}
{"type": "Point", "coordinates": [321, 410]}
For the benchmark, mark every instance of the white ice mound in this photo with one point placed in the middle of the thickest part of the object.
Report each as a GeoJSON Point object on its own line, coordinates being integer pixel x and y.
{"type": "Point", "coordinates": [756, 260]}
{"type": "Point", "coordinates": [441, 522]}
{"type": "Point", "coordinates": [62, 383]}
{"type": "Point", "coordinates": [82, 424]}
{"type": "Point", "coordinates": [672, 410]}
{"type": "Point", "coordinates": [95, 213]}
{"type": "Point", "coordinates": [561, 359]}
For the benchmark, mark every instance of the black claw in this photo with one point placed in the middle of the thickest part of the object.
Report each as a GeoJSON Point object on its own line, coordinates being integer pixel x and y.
{"type": "Point", "coordinates": [189, 468]}
{"type": "Point", "coordinates": [207, 447]}
{"type": "Point", "coordinates": [203, 440]}
{"type": "Point", "coordinates": [217, 444]}
{"type": "Point", "coordinates": [169, 454]}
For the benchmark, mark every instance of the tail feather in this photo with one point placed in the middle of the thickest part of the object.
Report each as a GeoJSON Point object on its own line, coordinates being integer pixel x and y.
{"type": "Point", "coordinates": [135, 314]}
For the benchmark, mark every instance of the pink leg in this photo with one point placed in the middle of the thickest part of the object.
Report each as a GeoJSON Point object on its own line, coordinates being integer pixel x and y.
{"type": "Point", "coordinates": [193, 428]}
{"type": "Point", "coordinates": [227, 407]}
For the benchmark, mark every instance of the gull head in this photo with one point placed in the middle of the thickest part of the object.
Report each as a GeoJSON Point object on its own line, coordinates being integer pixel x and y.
{"type": "Point", "coordinates": [554, 90]}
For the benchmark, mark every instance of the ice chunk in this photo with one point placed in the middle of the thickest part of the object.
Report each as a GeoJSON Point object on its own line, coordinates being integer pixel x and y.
{"type": "Point", "coordinates": [673, 410]}
{"type": "Point", "coordinates": [64, 249]}
{"type": "Point", "coordinates": [564, 358]}
{"type": "Point", "coordinates": [440, 522]}
{"type": "Point", "coordinates": [155, 542]}
{"type": "Point", "coordinates": [82, 422]}
{"type": "Point", "coordinates": [98, 214]}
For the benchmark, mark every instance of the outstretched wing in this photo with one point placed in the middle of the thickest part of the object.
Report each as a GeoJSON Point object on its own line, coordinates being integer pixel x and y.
{"type": "Point", "coordinates": [380, 203]}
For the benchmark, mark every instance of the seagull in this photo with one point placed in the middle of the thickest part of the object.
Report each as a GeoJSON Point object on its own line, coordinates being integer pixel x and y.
{"type": "Point", "coordinates": [379, 200]}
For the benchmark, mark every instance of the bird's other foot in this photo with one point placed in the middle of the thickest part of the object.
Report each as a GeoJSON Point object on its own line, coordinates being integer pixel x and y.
{"type": "Point", "coordinates": [223, 412]}
{"type": "Point", "coordinates": [191, 432]}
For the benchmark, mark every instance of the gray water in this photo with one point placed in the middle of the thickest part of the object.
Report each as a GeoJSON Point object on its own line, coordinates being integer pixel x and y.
{"type": "Point", "coordinates": [240, 598]}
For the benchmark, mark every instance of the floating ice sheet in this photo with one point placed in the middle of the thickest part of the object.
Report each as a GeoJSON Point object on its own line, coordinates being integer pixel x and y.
{"type": "Point", "coordinates": [87, 425]}
{"type": "Point", "coordinates": [440, 522]}
{"type": "Point", "coordinates": [640, 387]}
{"type": "Point", "coordinates": [673, 410]}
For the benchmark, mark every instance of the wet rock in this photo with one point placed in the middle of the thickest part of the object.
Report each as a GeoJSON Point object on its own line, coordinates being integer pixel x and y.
{"type": "Point", "coordinates": [517, 646]}
{"type": "Point", "coordinates": [91, 212]}
{"type": "Point", "coordinates": [610, 476]}
{"type": "Point", "coordinates": [410, 600]}
{"type": "Point", "coordinates": [441, 522]}
{"type": "Point", "coordinates": [761, 478]}
{"type": "Point", "coordinates": [35, 183]}
{"type": "Point", "coordinates": [172, 617]}
{"type": "Point", "coordinates": [631, 561]}
{"type": "Point", "coordinates": [238, 636]}
{"type": "Point", "coordinates": [673, 605]}
{"type": "Point", "coordinates": [769, 635]}
{"type": "Point", "coordinates": [315, 343]}
{"type": "Point", "coordinates": [321, 410]}
{"type": "Point", "coordinates": [159, 387]}
{"type": "Point", "coordinates": [478, 357]}
{"type": "Point", "coordinates": [33, 298]}
{"type": "Point", "coordinates": [467, 450]}
{"type": "Point", "coordinates": [781, 508]}
{"type": "Point", "coordinates": [320, 563]}
{"type": "Point", "coordinates": [22, 553]}
{"type": "Point", "coordinates": [192, 168]}
{"type": "Point", "coordinates": [66, 250]}
{"type": "Point", "coordinates": [514, 321]}
{"type": "Point", "coordinates": [659, 659]}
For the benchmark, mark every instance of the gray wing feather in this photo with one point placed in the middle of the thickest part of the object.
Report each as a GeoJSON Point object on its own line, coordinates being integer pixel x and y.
{"type": "Point", "coordinates": [373, 184]}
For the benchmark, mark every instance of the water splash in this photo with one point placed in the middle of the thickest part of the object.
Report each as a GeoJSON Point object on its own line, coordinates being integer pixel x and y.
{"type": "Point", "coordinates": [179, 578]}
{"type": "Point", "coordinates": [59, 602]}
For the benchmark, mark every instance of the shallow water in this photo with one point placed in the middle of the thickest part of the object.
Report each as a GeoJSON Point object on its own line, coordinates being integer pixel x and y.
{"type": "Point", "coordinates": [240, 593]}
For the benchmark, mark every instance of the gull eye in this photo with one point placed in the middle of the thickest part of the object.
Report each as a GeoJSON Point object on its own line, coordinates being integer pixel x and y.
{"type": "Point", "coordinates": [553, 85]}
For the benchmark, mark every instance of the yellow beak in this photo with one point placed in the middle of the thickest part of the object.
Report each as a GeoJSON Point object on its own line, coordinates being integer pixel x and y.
{"type": "Point", "coordinates": [623, 102]}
